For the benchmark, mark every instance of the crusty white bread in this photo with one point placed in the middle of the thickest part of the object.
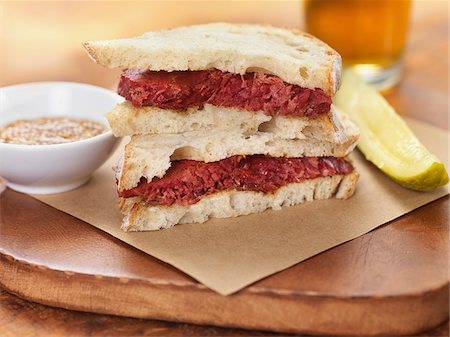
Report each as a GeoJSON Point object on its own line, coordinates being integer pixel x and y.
{"type": "Point", "coordinates": [150, 156]}
{"type": "Point", "coordinates": [125, 120]}
{"type": "Point", "coordinates": [296, 57]}
{"type": "Point", "coordinates": [140, 216]}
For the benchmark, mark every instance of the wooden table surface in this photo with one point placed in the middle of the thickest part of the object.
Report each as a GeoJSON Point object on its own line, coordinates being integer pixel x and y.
{"type": "Point", "coordinates": [22, 318]}
{"type": "Point", "coordinates": [423, 94]}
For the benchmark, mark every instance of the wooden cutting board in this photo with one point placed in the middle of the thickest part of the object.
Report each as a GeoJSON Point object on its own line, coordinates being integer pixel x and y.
{"type": "Point", "coordinates": [390, 281]}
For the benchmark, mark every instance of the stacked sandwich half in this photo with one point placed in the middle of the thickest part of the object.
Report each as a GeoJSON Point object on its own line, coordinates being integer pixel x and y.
{"type": "Point", "coordinates": [225, 120]}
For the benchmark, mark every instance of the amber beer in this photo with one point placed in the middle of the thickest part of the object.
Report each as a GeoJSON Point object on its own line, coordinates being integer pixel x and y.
{"type": "Point", "coordinates": [369, 34]}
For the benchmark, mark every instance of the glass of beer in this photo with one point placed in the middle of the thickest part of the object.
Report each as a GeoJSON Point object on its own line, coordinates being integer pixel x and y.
{"type": "Point", "coordinates": [370, 35]}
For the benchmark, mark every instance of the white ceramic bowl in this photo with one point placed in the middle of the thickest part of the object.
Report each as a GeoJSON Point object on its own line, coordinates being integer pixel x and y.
{"type": "Point", "coordinates": [44, 169]}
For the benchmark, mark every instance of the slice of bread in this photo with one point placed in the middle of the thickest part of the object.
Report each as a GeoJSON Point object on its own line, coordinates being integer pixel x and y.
{"type": "Point", "coordinates": [150, 156]}
{"type": "Point", "coordinates": [125, 120]}
{"type": "Point", "coordinates": [139, 216]}
{"type": "Point", "coordinates": [296, 57]}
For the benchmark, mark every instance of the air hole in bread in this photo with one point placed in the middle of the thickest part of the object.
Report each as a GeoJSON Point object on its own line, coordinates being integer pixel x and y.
{"type": "Point", "coordinates": [303, 72]}
{"type": "Point", "coordinates": [185, 152]}
{"type": "Point", "coordinates": [258, 70]}
{"type": "Point", "coordinates": [265, 127]}
{"type": "Point", "coordinates": [301, 49]}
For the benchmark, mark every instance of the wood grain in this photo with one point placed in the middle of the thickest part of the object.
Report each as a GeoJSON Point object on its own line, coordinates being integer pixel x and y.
{"type": "Point", "coordinates": [22, 318]}
{"type": "Point", "coordinates": [391, 281]}
{"type": "Point", "coordinates": [423, 94]}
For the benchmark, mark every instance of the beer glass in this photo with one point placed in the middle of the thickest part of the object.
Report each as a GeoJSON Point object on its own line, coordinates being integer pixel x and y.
{"type": "Point", "coordinates": [370, 35]}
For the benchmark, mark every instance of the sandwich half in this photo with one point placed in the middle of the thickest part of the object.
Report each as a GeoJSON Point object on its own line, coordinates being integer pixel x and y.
{"type": "Point", "coordinates": [226, 120]}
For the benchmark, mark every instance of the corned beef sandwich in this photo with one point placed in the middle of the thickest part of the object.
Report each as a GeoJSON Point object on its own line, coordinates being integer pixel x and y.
{"type": "Point", "coordinates": [226, 120]}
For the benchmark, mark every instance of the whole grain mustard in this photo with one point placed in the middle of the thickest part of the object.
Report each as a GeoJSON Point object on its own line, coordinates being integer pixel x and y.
{"type": "Point", "coordinates": [49, 130]}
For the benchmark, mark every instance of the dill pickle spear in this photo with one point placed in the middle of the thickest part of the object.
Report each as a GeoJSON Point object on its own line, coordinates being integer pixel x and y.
{"type": "Point", "coordinates": [385, 138]}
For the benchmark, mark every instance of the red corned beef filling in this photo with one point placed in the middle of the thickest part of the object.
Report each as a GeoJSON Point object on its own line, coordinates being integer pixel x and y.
{"type": "Point", "coordinates": [187, 181]}
{"type": "Point", "coordinates": [180, 90]}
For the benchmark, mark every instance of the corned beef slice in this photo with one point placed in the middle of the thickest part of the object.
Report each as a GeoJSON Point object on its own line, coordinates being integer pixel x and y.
{"type": "Point", "coordinates": [180, 90]}
{"type": "Point", "coordinates": [187, 181]}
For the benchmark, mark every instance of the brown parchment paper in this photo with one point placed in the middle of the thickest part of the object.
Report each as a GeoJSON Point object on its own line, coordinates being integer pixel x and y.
{"type": "Point", "coordinates": [229, 254]}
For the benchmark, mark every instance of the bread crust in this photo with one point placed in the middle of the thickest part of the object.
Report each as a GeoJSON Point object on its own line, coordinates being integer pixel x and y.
{"type": "Point", "coordinates": [296, 57]}
{"type": "Point", "coordinates": [139, 216]}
